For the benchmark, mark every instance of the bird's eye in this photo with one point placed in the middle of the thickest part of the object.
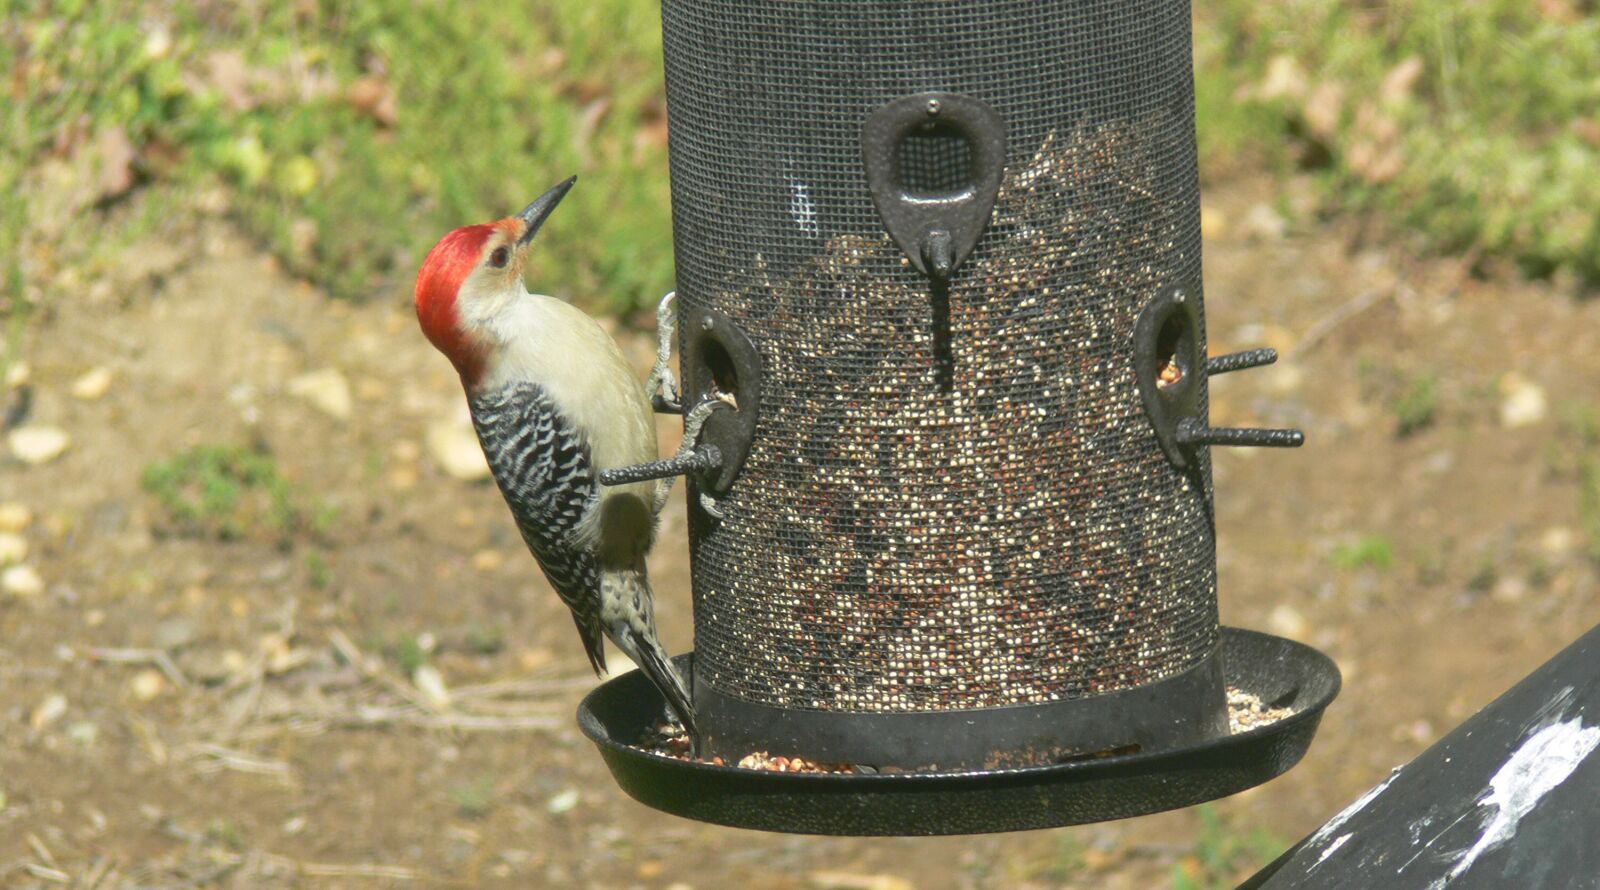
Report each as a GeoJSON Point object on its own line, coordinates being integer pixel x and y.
{"type": "Point", "coordinates": [499, 257]}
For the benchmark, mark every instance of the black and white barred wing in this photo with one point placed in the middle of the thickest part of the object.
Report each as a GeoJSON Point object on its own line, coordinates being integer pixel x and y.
{"type": "Point", "coordinates": [543, 468]}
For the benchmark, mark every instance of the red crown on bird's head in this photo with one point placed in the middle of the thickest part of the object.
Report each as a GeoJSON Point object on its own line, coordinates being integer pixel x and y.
{"type": "Point", "coordinates": [446, 268]}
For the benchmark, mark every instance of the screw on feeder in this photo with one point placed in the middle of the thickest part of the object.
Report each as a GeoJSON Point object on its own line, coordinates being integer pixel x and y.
{"type": "Point", "coordinates": [938, 254]}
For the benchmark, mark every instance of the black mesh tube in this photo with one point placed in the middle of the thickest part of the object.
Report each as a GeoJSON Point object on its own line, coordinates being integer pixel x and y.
{"type": "Point", "coordinates": [953, 501]}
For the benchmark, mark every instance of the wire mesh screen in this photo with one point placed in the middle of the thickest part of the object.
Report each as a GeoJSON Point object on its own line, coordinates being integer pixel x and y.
{"type": "Point", "coordinates": [953, 499]}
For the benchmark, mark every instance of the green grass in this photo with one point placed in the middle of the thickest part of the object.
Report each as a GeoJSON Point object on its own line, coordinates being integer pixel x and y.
{"type": "Point", "coordinates": [410, 654]}
{"type": "Point", "coordinates": [225, 492]}
{"type": "Point", "coordinates": [1491, 146]}
{"type": "Point", "coordinates": [474, 799]}
{"type": "Point", "coordinates": [1417, 405]}
{"type": "Point", "coordinates": [1367, 551]}
{"type": "Point", "coordinates": [284, 105]}
{"type": "Point", "coordinates": [1223, 855]}
{"type": "Point", "coordinates": [348, 136]}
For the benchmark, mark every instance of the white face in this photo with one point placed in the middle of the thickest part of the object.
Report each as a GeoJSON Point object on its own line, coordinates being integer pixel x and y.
{"type": "Point", "coordinates": [495, 284]}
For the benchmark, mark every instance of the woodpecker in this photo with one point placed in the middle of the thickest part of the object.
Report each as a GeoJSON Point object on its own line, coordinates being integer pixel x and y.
{"type": "Point", "coordinates": [554, 404]}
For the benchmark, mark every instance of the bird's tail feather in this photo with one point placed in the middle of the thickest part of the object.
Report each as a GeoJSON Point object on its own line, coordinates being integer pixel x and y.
{"type": "Point", "coordinates": [594, 642]}
{"type": "Point", "coordinates": [659, 668]}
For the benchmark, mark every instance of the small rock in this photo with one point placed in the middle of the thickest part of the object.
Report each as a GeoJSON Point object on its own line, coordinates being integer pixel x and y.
{"type": "Point", "coordinates": [486, 560]}
{"type": "Point", "coordinates": [1558, 541]}
{"type": "Point", "coordinates": [21, 581]}
{"type": "Point", "coordinates": [92, 385]}
{"type": "Point", "coordinates": [1510, 589]}
{"type": "Point", "coordinates": [1287, 621]}
{"type": "Point", "coordinates": [840, 880]}
{"type": "Point", "coordinates": [403, 478]}
{"type": "Point", "coordinates": [84, 732]}
{"type": "Point", "coordinates": [13, 548]}
{"type": "Point", "coordinates": [1284, 79]}
{"type": "Point", "coordinates": [147, 684]}
{"type": "Point", "coordinates": [563, 802]}
{"type": "Point", "coordinates": [1264, 223]}
{"type": "Point", "coordinates": [15, 518]}
{"type": "Point", "coordinates": [1285, 378]}
{"type": "Point", "coordinates": [431, 684]}
{"type": "Point", "coordinates": [326, 390]}
{"type": "Point", "coordinates": [47, 712]}
{"type": "Point", "coordinates": [455, 448]}
{"type": "Point", "coordinates": [1524, 404]}
{"type": "Point", "coordinates": [38, 444]}
{"type": "Point", "coordinates": [1438, 463]}
{"type": "Point", "coordinates": [174, 633]}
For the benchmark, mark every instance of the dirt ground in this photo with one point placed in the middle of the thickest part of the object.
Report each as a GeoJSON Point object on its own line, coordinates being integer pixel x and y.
{"type": "Point", "coordinates": [179, 710]}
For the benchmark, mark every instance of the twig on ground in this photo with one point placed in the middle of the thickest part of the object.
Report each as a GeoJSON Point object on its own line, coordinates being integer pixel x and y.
{"type": "Point", "coordinates": [256, 860]}
{"type": "Point", "coordinates": [1337, 316]}
{"type": "Point", "coordinates": [157, 657]}
{"type": "Point", "coordinates": [507, 688]}
{"type": "Point", "coordinates": [97, 872]}
{"type": "Point", "coordinates": [41, 851]}
{"type": "Point", "coordinates": [373, 670]}
{"type": "Point", "coordinates": [44, 873]}
{"type": "Point", "coordinates": [217, 758]}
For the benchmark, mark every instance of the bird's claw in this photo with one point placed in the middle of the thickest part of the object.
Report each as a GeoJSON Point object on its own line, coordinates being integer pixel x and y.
{"type": "Point", "coordinates": [663, 384]}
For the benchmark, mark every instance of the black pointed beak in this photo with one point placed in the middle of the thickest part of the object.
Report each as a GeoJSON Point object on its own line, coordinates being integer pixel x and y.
{"type": "Point", "coordinates": [534, 215]}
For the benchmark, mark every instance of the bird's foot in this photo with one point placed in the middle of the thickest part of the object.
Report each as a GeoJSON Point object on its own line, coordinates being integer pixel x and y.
{"type": "Point", "coordinates": [662, 387]}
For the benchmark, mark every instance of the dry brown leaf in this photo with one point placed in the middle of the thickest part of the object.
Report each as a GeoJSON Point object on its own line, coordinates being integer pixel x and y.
{"type": "Point", "coordinates": [1284, 79]}
{"type": "Point", "coordinates": [1562, 11]}
{"type": "Point", "coordinates": [226, 72]}
{"type": "Point", "coordinates": [1400, 83]}
{"type": "Point", "coordinates": [116, 155]}
{"type": "Point", "coordinates": [375, 97]}
{"type": "Point", "coordinates": [1588, 129]}
{"type": "Point", "coordinates": [1323, 109]}
{"type": "Point", "coordinates": [588, 121]}
{"type": "Point", "coordinates": [551, 61]}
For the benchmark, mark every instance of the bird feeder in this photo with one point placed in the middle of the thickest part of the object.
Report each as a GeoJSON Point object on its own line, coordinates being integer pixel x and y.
{"type": "Point", "coordinates": [942, 263]}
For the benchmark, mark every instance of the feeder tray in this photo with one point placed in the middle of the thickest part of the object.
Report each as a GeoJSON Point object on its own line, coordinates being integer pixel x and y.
{"type": "Point", "coordinates": [1280, 672]}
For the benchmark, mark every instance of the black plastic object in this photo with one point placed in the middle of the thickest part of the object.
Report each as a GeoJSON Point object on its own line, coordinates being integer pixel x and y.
{"type": "Point", "coordinates": [936, 217]}
{"type": "Point", "coordinates": [1163, 714]}
{"type": "Point", "coordinates": [721, 363]}
{"type": "Point", "coordinates": [1509, 799]}
{"type": "Point", "coordinates": [1282, 673]}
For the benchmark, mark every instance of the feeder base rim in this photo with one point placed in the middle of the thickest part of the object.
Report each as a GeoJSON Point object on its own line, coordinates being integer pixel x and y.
{"type": "Point", "coordinates": [1281, 672]}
